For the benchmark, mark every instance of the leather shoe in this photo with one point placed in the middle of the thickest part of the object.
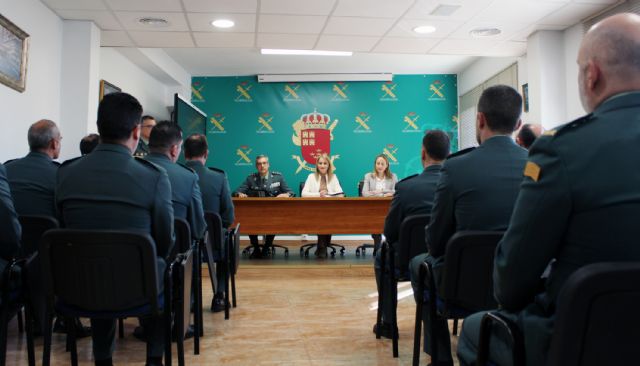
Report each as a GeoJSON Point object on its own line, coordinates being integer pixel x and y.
{"type": "Point", "coordinates": [187, 335]}
{"type": "Point", "coordinates": [217, 304]}
{"type": "Point", "coordinates": [385, 330]}
{"type": "Point", "coordinates": [139, 333]}
{"type": "Point", "coordinates": [256, 253]}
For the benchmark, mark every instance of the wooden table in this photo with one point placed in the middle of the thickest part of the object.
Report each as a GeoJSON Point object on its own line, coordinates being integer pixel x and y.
{"type": "Point", "coordinates": [330, 215]}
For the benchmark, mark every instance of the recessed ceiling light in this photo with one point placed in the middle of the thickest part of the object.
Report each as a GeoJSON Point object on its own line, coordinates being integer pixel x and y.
{"type": "Point", "coordinates": [270, 51]}
{"type": "Point", "coordinates": [424, 29]}
{"type": "Point", "coordinates": [223, 23]}
{"type": "Point", "coordinates": [484, 32]}
{"type": "Point", "coordinates": [154, 22]}
{"type": "Point", "coordinates": [445, 10]}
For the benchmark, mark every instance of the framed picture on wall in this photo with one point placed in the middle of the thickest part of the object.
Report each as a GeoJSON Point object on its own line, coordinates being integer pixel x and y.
{"type": "Point", "coordinates": [525, 97]}
{"type": "Point", "coordinates": [107, 88]}
{"type": "Point", "coordinates": [14, 47]}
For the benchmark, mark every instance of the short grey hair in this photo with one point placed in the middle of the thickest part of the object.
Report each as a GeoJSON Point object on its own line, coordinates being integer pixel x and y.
{"type": "Point", "coordinates": [41, 133]}
{"type": "Point", "coordinates": [261, 156]}
{"type": "Point", "coordinates": [619, 52]}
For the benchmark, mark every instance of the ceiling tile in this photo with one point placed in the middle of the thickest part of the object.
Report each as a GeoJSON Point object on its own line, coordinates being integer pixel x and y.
{"type": "Point", "coordinates": [346, 43]}
{"type": "Point", "coordinates": [201, 22]}
{"type": "Point", "coordinates": [468, 9]}
{"type": "Point", "coordinates": [372, 8]}
{"type": "Point", "coordinates": [75, 4]}
{"type": "Point", "coordinates": [163, 40]}
{"type": "Point", "coordinates": [226, 40]}
{"type": "Point", "coordinates": [404, 28]}
{"type": "Point", "coordinates": [287, 41]}
{"type": "Point", "coordinates": [507, 49]}
{"type": "Point", "coordinates": [221, 6]}
{"type": "Point", "coordinates": [508, 30]}
{"type": "Point", "coordinates": [571, 14]}
{"type": "Point", "coordinates": [115, 39]}
{"type": "Point", "coordinates": [522, 11]}
{"type": "Point", "coordinates": [104, 19]}
{"type": "Point", "coordinates": [473, 47]}
{"type": "Point", "coordinates": [300, 24]}
{"type": "Point", "coordinates": [405, 45]}
{"type": "Point", "coordinates": [305, 7]}
{"type": "Point", "coordinates": [605, 2]}
{"type": "Point", "coordinates": [144, 5]}
{"type": "Point", "coordinates": [521, 36]}
{"type": "Point", "coordinates": [130, 20]}
{"type": "Point", "coordinates": [358, 26]}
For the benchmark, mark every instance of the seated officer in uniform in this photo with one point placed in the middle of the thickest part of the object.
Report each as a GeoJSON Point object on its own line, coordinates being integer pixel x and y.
{"type": "Point", "coordinates": [216, 197]}
{"type": "Point", "coordinates": [9, 225]}
{"type": "Point", "coordinates": [263, 183]}
{"type": "Point", "coordinates": [413, 196]}
{"type": "Point", "coordinates": [109, 189]}
{"type": "Point", "coordinates": [33, 178]}
{"type": "Point", "coordinates": [88, 143]}
{"type": "Point", "coordinates": [477, 190]}
{"type": "Point", "coordinates": [578, 203]}
{"type": "Point", "coordinates": [142, 149]}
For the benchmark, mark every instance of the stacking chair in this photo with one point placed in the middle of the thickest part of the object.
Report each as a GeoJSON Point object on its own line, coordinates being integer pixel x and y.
{"type": "Point", "coordinates": [410, 243]}
{"type": "Point", "coordinates": [103, 274]}
{"type": "Point", "coordinates": [181, 270]}
{"type": "Point", "coordinates": [596, 323]}
{"type": "Point", "coordinates": [234, 260]}
{"type": "Point", "coordinates": [363, 248]}
{"type": "Point", "coordinates": [304, 249]}
{"type": "Point", "coordinates": [466, 284]}
{"type": "Point", "coordinates": [217, 249]}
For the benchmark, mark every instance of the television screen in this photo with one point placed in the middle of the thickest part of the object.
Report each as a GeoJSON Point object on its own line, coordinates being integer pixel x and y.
{"type": "Point", "coordinates": [189, 118]}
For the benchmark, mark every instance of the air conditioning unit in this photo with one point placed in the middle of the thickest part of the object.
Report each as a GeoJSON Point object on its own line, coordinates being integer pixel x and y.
{"type": "Point", "coordinates": [288, 78]}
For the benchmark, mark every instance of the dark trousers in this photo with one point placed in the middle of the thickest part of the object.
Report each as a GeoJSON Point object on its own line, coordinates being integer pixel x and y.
{"type": "Point", "coordinates": [104, 334]}
{"type": "Point", "coordinates": [268, 240]}
{"type": "Point", "coordinates": [387, 304]}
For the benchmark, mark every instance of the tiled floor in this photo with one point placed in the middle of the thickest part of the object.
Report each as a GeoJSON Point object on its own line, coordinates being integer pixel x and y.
{"type": "Point", "coordinates": [304, 313]}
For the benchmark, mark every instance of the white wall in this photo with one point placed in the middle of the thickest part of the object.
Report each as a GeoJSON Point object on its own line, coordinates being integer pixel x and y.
{"type": "Point", "coordinates": [572, 38]}
{"type": "Point", "coordinates": [481, 70]}
{"type": "Point", "coordinates": [41, 99]}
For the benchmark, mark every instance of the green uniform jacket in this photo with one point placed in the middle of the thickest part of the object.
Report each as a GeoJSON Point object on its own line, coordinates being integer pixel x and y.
{"type": "Point", "coordinates": [9, 225]}
{"type": "Point", "coordinates": [413, 196]}
{"type": "Point", "coordinates": [578, 204]}
{"type": "Point", "coordinates": [216, 196]}
{"type": "Point", "coordinates": [33, 182]}
{"type": "Point", "coordinates": [272, 185]}
{"type": "Point", "coordinates": [110, 189]}
{"type": "Point", "coordinates": [142, 150]}
{"type": "Point", "coordinates": [185, 193]}
{"type": "Point", "coordinates": [477, 191]}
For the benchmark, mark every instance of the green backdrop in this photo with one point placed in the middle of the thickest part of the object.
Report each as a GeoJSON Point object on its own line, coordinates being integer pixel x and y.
{"type": "Point", "coordinates": [247, 118]}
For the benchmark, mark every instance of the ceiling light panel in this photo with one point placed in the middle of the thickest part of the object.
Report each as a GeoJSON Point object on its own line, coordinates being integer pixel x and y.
{"type": "Point", "coordinates": [404, 28]}
{"type": "Point", "coordinates": [423, 9]}
{"type": "Point", "coordinates": [130, 20]}
{"type": "Point", "coordinates": [306, 7]}
{"type": "Point", "coordinates": [201, 22]}
{"type": "Point", "coordinates": [372, 8]}
{"type": "Point", "coordinates": [445, 10]}
{"type": "Point", "coordinates": [222, 6]}
{"type": "Point", "coordinates": [298, 24]}
{"type": "Point", "coordinates": [358, 26]}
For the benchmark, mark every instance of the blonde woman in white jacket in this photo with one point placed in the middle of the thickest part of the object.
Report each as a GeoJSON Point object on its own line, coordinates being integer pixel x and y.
{"type": "Point", "coordinates": [322, 183]}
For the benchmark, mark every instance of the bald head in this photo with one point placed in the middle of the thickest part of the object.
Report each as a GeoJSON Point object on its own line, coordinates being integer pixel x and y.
{"type": "Point", "coordinates": [44, 136]}
{"type": "Point", "coordinates": [609, 59]}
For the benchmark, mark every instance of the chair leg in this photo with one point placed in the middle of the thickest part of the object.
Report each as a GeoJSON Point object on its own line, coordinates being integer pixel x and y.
{"type": "Point", "coordinates": [393, 288]}
{"type": "Point", "coordinates": [233, 290]}
{"type": "Point", "coordinates": [199, 284]}
{"type": "Point", "coordinates": [455, 326]}
{"type": "Point", "coordinates": [71, 340]}
{"type": "Point", "coordinates": [28, 318]}
{"type": "Point", "coordinates": [48, 329]}
{"type": "Point", "coordinates": [226, 293]}
{"type": "Point", "coordinates": [381, 292]}
{"type": "Point", "coordinates": [197, 309]}
{"type": "Point", "coordinates": [434, 330]}
{"type": "Point", "coordinates": [20, 322]}
{"type": "Point", "coordinates": [4, 325]}
{"type": "Point", "coordinates": [417, 336]}
{"type": "Point", "coordinates": [121, 328]}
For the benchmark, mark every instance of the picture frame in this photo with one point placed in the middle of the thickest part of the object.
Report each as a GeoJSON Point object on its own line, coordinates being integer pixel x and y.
{"type": "Point", "coordinates": [14, 49]}
{"type": "Point", "coordinates": [107, 88]}
{"type": "Point", "coordinates": [525, 97]}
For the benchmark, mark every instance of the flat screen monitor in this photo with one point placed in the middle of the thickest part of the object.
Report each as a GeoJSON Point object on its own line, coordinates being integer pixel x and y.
{"type": "Point", "coordinates": [188, 117]}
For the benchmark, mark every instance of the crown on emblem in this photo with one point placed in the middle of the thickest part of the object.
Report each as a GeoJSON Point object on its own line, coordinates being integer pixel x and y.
{"type": "Point", "coordinates": [315, 119]}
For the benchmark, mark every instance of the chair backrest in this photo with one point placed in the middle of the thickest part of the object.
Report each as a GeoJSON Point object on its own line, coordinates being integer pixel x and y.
{"type": "Point", "coordinates": [183, 236]}
{"type": "Point", "coordinates": [597, 317]}
{"type": "Point", "coordinates": [182, 272]}
{"type": "Point", "coordinates": [467, 281]}
{"type": "Point", "coordinates": [234, 250]}
{"type": "Point", "coordinates": [360, 185]}
{"type": "Point", "coordinates": [215, 239]}
{"type": "Point", "coordinates": [411, 240]}
{"type": "Point", "coordinates": [100, 270]}
{"type": "Point", "coordinates": [33, 227]}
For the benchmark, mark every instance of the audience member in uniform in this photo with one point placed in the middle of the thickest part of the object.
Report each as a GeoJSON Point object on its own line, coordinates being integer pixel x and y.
{"type": "Point", "coordinates": [148, 122]}
{"type": "Point", "coordinates": [216, 197]}
{"type": "Point", "coordinates": [528, 134]}
{"type": "Point", "coordinates": [9, 225]}
{"type": "Point", "coordinates": [322, 183]}
{"type": "Point", "coordinates": [578, 203]}
{"type": "Point", "coordinates": [88, 143]}
{"type": "Point", "coordinates": [33, 178]}
{"type": "Point", "coordinates": [109, 189]}
{"type": "Point", "coordinates": [413, 196]}
{"type": "Point", "coordinates": [476, 191]}
{"type": "Point", "coordinates": [379, 183]}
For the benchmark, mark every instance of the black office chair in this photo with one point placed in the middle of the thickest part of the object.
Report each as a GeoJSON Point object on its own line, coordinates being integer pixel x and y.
{"type": "Point", "coordinates": [410, 243]}
{"type": "Point", "coordinates": [182, 276]}
{"type": "Point", "coordinates": [305, 248]}
{"type": "Point", "coordinates": [234, 260]}
{"type": "Point", "coordinates": [363, 248]}
{"type": "Point", "coordinates": [596, 323]}
{"type": "Point", "coordinates": [104, 274]}
{"type": "Point", "coordinates": [217, 249]}
{"type": "Point", "coordinates": [466, 286]}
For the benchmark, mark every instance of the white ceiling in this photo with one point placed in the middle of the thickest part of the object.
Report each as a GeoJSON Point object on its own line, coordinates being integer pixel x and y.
{"type": "Point", "coordinates": [377, 30]}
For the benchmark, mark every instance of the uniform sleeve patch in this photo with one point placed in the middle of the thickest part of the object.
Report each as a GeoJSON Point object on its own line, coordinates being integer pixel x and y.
{"type": "Point", "coordinates": [532, 170]}
{"type": "Point", "coordinates": [549, 133]}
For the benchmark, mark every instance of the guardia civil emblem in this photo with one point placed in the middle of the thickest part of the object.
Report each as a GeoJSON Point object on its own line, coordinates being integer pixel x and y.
{"type": "Point", "coordinates": [196, 92]}
{"type": "Point", "coordinates": [388, 92]}
{"type": "Point", "coordinates": [436, 91]}
{"type": "Point", "coordinates": [291, 92]}
{"type": "Point", "coordinates": [264, 123]}
{"type": "Point", "coordinates": [390, 151]}
{"type": "Point", "coordinates": [243, 89]}
{"type": "Point", "coordinates": [313, 132]}
{"type": "Point", "coordinates": [362, 123]}
{"type": "Point", "coordinates": [340, 92]}
{"type": "Point", "coordinates": [217, 123]}
{"type": "Point", "coordinates": [411, 123]}
{"type": "Point", "coordinates": [243, 152]}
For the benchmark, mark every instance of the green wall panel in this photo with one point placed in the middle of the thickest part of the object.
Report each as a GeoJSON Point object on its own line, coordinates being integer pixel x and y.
{"type": "Point", "coordinates": [246, 119]}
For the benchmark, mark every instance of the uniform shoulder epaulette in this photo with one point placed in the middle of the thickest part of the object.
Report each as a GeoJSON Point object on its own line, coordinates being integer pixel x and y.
{"type": "Point", "coordinates": [569, 126]}
{"type": "Point", "coordinates": [460, 153]}
{"type": "Point", "coordinates": [9, 161]}
{"type": "Point", "coordinates": [407, 178]}
{"type": "Point", "coordinates": [66, 162]}
{"type": "Point", "coordinates": [217, 170]}
{"type": "Point", "coordinates": [148, 163]}
{"type": "Point", "coordinates": [186, 167]}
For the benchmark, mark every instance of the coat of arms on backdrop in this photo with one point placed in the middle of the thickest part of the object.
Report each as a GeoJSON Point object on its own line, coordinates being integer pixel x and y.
{"type": "Point", "coordinates": [313, 132]}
